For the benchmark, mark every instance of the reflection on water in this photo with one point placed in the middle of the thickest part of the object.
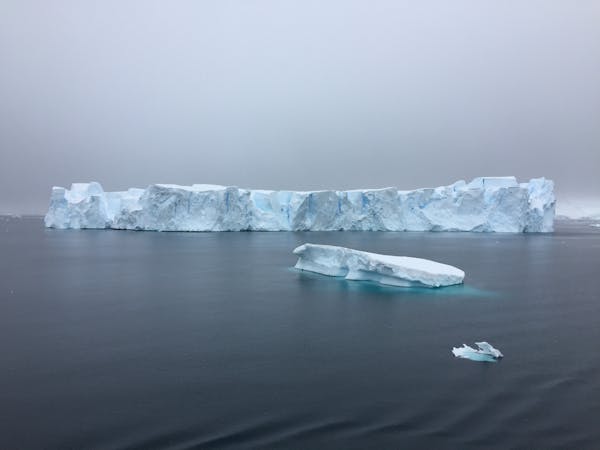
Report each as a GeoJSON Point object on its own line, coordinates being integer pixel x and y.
{"type": "Point", "coordinates": [318, 281]}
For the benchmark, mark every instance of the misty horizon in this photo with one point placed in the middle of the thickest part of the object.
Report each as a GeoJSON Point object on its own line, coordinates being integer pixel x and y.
{"type": "Point", "coordinates": [297, 95]}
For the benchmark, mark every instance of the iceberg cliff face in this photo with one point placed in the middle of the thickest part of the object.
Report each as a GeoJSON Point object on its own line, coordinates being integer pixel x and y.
{"type": "Point", "coordinates": [485, 204]}
{"type": "Point", "coordinates": [385, 269]}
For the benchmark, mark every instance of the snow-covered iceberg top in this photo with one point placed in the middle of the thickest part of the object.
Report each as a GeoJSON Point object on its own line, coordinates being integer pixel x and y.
{"type": "Point", "coordinates": [385, 269]}
{"type": "Point", "coordinates": [484, 204]}
{"type": "Point", "coordinates": [484, 352]}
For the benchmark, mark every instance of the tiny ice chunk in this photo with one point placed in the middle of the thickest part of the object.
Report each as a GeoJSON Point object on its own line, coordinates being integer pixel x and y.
{"type": "Point", "coordinates": [486, 352]}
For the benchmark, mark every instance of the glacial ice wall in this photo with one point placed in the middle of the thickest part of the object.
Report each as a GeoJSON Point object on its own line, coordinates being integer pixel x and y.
{"type": "Point", "coordinates": [498, 204]}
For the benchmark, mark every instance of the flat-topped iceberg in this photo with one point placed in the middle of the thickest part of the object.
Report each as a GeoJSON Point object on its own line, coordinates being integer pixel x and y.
{"type": "Point", "coordinates": [484, 353]}
{"type": "Point", "coordinates": [484, 204]}
{"type": "Point", "coordinates": [385, 269]}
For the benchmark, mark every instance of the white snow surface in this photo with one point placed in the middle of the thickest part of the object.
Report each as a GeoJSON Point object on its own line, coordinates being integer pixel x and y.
{"type": "Point", "coordinates": [485, 204]}
{"type": "Point", "coordinates": [485, 352]}
{"type": "Point", "coordinates": [385, 269]}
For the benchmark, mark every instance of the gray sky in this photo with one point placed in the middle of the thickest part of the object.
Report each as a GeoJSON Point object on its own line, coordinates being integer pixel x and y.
{"type": "Point", "coordinates": [296, 94]}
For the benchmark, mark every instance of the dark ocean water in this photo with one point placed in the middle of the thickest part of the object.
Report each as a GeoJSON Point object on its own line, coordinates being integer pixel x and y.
{"type": "Point", "coordinates": [115, 339]}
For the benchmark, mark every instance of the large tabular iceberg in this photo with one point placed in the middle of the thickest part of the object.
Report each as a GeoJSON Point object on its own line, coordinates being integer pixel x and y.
{"type": "Point", "coordinates": [484, 204]}
{"type": "Point", "coordinates": [385, 269]}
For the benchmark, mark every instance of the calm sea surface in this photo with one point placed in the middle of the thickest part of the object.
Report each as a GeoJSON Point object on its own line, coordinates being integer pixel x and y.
{"type": "Point", "coordinates": [115, 339]}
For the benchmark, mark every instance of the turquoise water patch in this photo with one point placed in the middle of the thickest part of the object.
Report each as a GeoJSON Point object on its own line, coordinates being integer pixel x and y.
{"type": "Point", "coordinates": [337, 283]}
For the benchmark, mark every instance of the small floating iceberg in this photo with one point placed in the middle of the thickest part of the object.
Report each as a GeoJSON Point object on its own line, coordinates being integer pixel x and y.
{"type": "Point", "coordinates": [486, 352]}
{"type": "Point", "coordinates": [385, 269]}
